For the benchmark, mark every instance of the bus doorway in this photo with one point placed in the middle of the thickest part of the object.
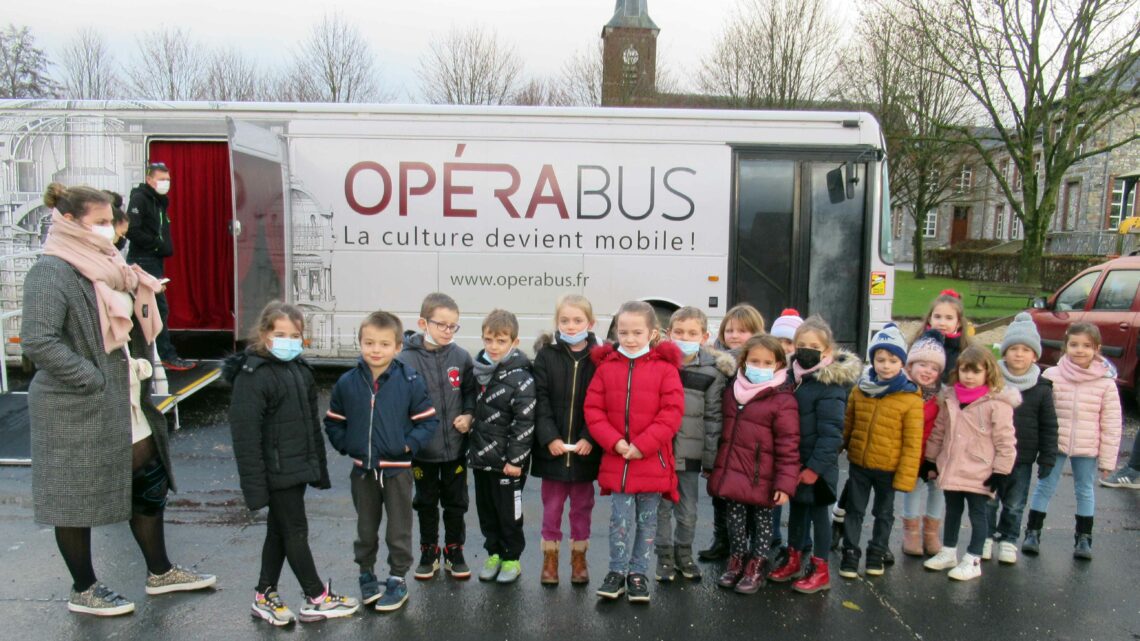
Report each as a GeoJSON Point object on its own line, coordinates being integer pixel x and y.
{"type": "Point", "coordinates": [799, 239]}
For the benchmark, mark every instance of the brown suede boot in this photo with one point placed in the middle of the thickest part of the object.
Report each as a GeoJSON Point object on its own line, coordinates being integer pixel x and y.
{"type": "Point", "coordinates": [912, 537]}
{"type": "Point", "coordinates": [550, 562]}
{"type": "Point", "coordinates": [579, 573]}
{"type": "Point", "coordinates": [931, 540]}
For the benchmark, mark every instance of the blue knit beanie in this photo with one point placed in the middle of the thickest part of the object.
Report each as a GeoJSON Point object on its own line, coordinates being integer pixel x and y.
{"type": "Point", "coordinates": [890, 339]}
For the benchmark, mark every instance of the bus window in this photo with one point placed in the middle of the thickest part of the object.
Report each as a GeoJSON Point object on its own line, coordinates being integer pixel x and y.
{"type": "Point", "coordinates": [835, 289]}
{"type": "Point", "coordinates": [763, 256]}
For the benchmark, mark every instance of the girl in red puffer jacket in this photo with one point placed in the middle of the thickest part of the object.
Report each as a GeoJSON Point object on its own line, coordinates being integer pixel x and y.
{"type": "Point", "coordinates": [633, 408]}
{"type": "Point", "coordinates": [758, 463]}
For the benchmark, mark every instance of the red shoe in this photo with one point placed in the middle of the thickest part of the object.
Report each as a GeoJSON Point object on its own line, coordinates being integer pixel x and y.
{"type": "Point", "coordinates": [732, 573]}
{"type": "Point", "coordinates": [753, 578]}
{"type": "Point", "coordinates": [179, 365]}
{"type": "Point", "coordinates": [819, 579]}
{"type": "Point", "coordinates": [790, 570]}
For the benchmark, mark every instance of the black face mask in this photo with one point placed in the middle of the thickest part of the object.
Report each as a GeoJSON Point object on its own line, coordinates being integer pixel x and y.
{"type": "Point", "coordinates": [807, 357]}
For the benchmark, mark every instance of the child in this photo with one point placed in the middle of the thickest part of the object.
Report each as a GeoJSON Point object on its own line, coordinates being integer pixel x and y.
{"type": "Point", "coordinates": [1088, 433]}
{"type": "Point", "coordinates": [971, 452]}
{"type": "Point", "coordinates": [823, 376]}
{"type": "Point", "coordinates": [380, 416]}
{"type": "Point", "coordinates": [1035, 422]}
{"type": "Point", "coordinates": [565, 457]}
{"type": "Point", "coordinates": [703, 373]}
{"type": "Point", "coordinates": [758, 461]}
{"type": "Point", "coordinates": [501, 440]}
{"type": "Point", "coordinates": [634, 407]}
{"type": "Point", "coordinates": [279, 450]}
{"type": "Point", "coordinates": [740, 323]}
{"type": "Point", "coordinates": [882, 433]}
{"type": "Point", "coordinates": [924, 364]}
{"type": "Point", "coordinates": [948, 316]}
{"type": "Point", "coordinates": [784, 328]}
{"type": "Point", "coordinates": [439, 468]}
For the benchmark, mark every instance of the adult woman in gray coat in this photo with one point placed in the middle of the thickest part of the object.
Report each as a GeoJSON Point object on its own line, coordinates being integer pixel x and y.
{"type": "Point", "coordinates": [99, 446]}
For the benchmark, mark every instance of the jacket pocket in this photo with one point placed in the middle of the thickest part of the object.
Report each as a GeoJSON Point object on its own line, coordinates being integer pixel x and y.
{"type": "Point", "coordinates": [756, 467]}
{"type": "Point", "coordinates": [661, 458]}
{"type": "Point", "coordinates": [981, 453]}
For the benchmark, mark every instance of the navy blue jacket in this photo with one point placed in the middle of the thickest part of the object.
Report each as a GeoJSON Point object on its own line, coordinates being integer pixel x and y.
{"type": "Point", "coordinates": [382, 423]}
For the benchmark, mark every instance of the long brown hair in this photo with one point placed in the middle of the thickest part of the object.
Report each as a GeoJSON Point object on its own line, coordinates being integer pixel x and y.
{"type": "Point", "coordinates": [768, 342]}
{"type": "Point", "coordinates": [976, 356]}
{"type": "Point", "coordinates": [74, 200]}
{"type": "Point", "coordinates": [272, 312]}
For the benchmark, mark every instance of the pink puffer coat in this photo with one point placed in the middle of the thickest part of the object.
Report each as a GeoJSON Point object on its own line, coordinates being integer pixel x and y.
{"type": "Point", "coordinates": [1089, 420]}
{"type": "Point", "coordinates": [971, 443]}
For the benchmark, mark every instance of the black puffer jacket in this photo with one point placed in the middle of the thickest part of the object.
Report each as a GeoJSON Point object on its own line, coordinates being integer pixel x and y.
{"type": "Point", "coordinates": [149, 232]}
{"type": "Point", "coordinates": [822, 397]}
{"type": "Point", "coordinates": [561, 377]}
{"type": "Point", "coordinates": [274, 424]}
{"type": "Point", "coordinates": [1036, 423]}
{"type": "Point", "coordinates": [503, 431]}
{"type": "Point", "coordinates": [451, 385]}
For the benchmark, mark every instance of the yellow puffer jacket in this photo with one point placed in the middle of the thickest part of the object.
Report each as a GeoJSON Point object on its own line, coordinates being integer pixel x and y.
{"type": "Point", "coordinates": [885, 434]}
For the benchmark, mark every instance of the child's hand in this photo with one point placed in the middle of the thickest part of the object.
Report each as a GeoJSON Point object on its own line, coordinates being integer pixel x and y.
{"type": "Point", "coordinates": [927, 470]}
{"type": "Point", "coordinates": [584, 448]}
{"type": "Point", "coordinates": [632, 453]}
{"type": "Point", "coordinates": [621, 447]}
{"type": "Point", "coordinates": [808, 476]}
{"type": "Point", "coordinates": [706, 474]}
{"type": "Point", "coordinates": [780, 498]}
{"type": "Point", "coordinates": [512, 470]}
{"type": "Point", "coordinates": [357, 462]}
{"type": "Point", "coordinates": [1104, 473]}
{"type": "Point", "coordinates": [557, 447]}
{"type": "Point", "coordinates": [462, 423]}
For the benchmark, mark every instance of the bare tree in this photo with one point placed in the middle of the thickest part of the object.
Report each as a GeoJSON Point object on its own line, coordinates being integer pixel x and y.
{"type": "Point", "coordinates": [774, 53]}
{"type": "Point", "coordinates": [471, 66]}
{"type": "Point", "coordinates": [23, 66]}
{"type": "Point", "coordinates": [913, 105]}
{"type": "Point", "coordinates": [88, 67]}
{"type": "Point", "coordinates": [539, 92]}
{"type": "Point", "coordinates": [167, 66]}
{"type": "Point", "coordinates": [334, 64]}
{"type": "Point", "coordinates": [581, 79]}
{"type": "Point", "coordinates": [1056, 82]}
{"type": "Point", "coordinates": [231, 76]}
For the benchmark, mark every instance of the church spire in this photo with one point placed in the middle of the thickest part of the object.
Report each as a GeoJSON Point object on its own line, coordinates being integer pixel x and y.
{"type": "Point", "coordinates": [631, 14]}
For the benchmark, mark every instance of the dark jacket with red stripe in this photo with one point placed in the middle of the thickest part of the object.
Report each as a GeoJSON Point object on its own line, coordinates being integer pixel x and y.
{"type": "Point", "coordinates": [641, 401]}
{"type": "Point", "coordinates": [381, 423]}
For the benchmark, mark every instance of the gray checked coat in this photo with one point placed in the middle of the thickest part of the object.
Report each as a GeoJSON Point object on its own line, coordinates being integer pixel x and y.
{"type": "Point", "coordinates": [78, 402]}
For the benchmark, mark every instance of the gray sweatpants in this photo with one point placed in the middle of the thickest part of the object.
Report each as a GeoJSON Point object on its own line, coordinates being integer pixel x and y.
{"type": "Point", "coordinates": [372, 497]}
{"type": "Point", "coordinates": [688, 484]}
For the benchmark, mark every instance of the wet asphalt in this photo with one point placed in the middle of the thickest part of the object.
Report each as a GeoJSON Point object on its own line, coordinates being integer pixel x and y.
{"type": "Point", "coordinates": [1050, 597]}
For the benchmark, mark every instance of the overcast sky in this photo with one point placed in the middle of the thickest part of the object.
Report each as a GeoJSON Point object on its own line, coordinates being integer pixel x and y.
{"type": "Point", "coordinates": [546, 32]}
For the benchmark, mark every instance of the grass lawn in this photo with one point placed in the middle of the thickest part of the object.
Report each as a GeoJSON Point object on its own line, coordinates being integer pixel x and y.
{"type": "Point", "coordinates": [912, 298]}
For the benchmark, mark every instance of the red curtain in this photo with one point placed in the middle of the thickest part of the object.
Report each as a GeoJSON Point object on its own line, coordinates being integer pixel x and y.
{"type": "Point", "coordinates": [201, 271]}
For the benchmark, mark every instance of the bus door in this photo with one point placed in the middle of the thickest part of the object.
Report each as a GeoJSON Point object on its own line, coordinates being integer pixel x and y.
{"type": "Point", "coordinates": [800, 239]}
{"type": "Point", "coordinates": [259, 164]}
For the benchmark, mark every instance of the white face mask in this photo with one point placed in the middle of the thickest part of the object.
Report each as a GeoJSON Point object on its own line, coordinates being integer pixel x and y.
{"type": "Point", "coordinates": [106, 231]}
{"type": "Point", "coordinates": [162, 186]}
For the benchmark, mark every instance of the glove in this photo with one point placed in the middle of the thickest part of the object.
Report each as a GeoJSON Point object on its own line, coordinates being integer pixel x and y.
{"type": "Point", "coordinates": [995, 481]}
{"type": "Point", "coordinates": [925, 468]}
{"type": "Point", "coordinates": [1044, 471]}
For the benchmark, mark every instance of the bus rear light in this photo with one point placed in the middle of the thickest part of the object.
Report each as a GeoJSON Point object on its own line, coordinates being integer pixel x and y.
{"type": "Point", "coordinates": [714, 279]}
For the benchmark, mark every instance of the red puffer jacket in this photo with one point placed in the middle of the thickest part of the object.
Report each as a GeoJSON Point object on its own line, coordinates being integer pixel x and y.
{"type": "Point", "coordinates": [641, 401]}
{"type": "Point", "coordinates": [759, 448]}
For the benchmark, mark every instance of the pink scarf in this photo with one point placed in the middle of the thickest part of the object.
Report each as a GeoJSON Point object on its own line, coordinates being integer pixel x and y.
{"type": "Point", "coordinates": [968, 395]}
{"type": "Point", "coordinates": [745, 390]}
{"type": "Point", "coordinates": [800, 372]}
{"type": "Point", "coordinates": [99, 262]}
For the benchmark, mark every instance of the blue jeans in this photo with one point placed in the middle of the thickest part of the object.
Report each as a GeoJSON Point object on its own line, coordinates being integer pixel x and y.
{"type": "Point", "coordinates": [685, 511]}
{"type": "Point", "coordinates": [955, 503]}
{"type": "Point", "coordinates": [1084, 480]}
{"type": "Point", "coordinates": [1012, 496]}
{"type": "Point", "coordinates": [935, 502]}
{"type": "Point", "coordinates": [633, 523]}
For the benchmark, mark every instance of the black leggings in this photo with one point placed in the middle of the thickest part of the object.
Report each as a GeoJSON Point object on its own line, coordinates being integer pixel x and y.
{"type": "Point", "coordinates": [287, 538]}
{"type": "Point", "coordinates": [149, 487]}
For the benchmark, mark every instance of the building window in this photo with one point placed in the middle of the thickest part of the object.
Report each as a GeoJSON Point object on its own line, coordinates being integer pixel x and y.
{"type": "Point", "coordinates": [965, 179]}
{"type": "Point", "coordinates": [1066, 219]}
{"type": "Point", "coordinates": [1016, 177]}
{"type": "Point", "coordinates": [999, 222]}
{"type": "Point", "coordinates": [897, 222]}
{"type": "Point", "coordinates": [1037, 165]}
{"type": "Point", "coordinates": [1014, 227]}
{"type": "Point", "coordinates": [932, 178]}
{"type": "Point", "coordinates": [1117, 210]}
{"type": "Point", "coordinates": [1003, 169]}
{"type": "Point", "coordinates": [930, 224]}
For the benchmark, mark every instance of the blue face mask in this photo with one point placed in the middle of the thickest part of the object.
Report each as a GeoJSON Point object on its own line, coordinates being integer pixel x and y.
{"type": "Point", "coordinates": [286, 349]}
{"type": "Point", "coordinates": [757, 375]}
{"type": "Point", "coordinates": [632, 355]}
{"type": "Point", "coordinates": [573, 339]}
{"type": "Point", "coordinates": [688, 348]}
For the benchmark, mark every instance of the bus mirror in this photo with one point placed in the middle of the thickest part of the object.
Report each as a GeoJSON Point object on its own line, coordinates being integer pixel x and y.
{"type": "Point", "coordinates": [852, 179]}
{"type": "Point", "coordinates": [835, 190]}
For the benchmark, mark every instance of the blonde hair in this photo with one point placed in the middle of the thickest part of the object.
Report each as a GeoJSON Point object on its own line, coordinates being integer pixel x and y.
{"type": "Point", "coordinates": [689, 313]}
{"type": "Point", "coordinates": [980, 357]}
{"type": "Point", "coordinates": [816, 325]}
{"type": "Point", "coordinates": [768, 342]}
{"type": "Point", "coordinates": [746, 315]}
{"type": "Point", "coordinates": [576, 301]}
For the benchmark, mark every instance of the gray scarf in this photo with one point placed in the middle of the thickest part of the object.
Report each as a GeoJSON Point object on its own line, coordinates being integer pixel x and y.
{"type": "Point", "coordinates": [484, 370]}
{"type": "Point", "coordinates": [1023, 382]}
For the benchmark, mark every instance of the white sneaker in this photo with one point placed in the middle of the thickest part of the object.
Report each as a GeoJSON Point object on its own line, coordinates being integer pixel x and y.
{"type": "Point", "coordinates": [988, 550]}
{"type": "Point", "coordinates": [944, 560]}
{"type": "Point", "coordinates": [1007, 552]}
{"type": "Point", "coordinates": [969, 568]}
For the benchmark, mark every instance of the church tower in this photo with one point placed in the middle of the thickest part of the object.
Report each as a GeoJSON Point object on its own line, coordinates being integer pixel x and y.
{"type": "Point", "coordinates": [629, 56]}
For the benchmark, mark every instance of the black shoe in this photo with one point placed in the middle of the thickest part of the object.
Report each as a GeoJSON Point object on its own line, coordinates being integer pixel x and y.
{"type": "Point", "coordinates": [875, 566]}
{"type": "Point", "coordinates": [177, 364]}
{"type": "Point", "coordinates": [849, 566]}
{"type": "Point", "coordinates": [1032, 543]}
{"type": "Point", "coordinates": [836, 536]}
{"type": "Point", "coordinates": [888, 558]}
{"type": "Point", "coordinates": [718, 551]}
{"type": "Point", "coordinates": [613, 586]}
{"type": "Point", "coordinates": [429, 562]}
{"type": "Point", "coordinates": [638, 591]}
{"type": "Point", "coordinates": [1082, 549]}
{"type": "Point", "coordinates": [455, 563]}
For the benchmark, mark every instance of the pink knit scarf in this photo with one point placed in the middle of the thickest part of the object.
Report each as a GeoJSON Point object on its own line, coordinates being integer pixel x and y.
{"type": "Point", "coordinates": [968, 395]}
{"type": "Point", "coordinates": [99, 262]}
{"type": "Point", "coordinates": [745, 390]}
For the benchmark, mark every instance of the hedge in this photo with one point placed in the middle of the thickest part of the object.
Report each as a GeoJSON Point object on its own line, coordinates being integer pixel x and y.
{"type": "Point", "coordinates": [975, 265]}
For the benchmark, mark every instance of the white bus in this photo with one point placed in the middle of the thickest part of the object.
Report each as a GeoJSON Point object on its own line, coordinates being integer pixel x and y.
{"type": "Point", "coordinates": [345, 209]}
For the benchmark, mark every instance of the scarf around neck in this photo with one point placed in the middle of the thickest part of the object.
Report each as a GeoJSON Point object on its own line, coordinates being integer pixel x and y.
{"type": "Point", "coordinates": [967, 395]}
{"type": "Point", "coordinates": [745, 390]}
{"type": "Point", "coordinates": [800, 372]}
{"type": "Point", "coordinates": [872, 386]}
{"type": "Point", "coordinates": [930, 391]}
{"type": "Point", "coordinates": [1023, 382]}
{"type": "Point", "coordinates": [97, 260]}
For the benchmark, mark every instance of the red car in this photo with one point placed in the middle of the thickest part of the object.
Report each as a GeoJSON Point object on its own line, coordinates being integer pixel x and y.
{"type": "Point", "coordinates": [1104, 295]}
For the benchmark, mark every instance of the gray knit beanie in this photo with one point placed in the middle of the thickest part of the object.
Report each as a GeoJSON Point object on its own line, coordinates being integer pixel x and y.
{"type": "Point", "coordinates": [1022, 331]}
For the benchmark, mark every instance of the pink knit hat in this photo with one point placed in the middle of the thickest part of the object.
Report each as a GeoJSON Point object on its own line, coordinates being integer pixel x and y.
{"type": "Point", "coordinates": [929, 348]}
{"type": "Point", "coordinates": [785, 326]}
